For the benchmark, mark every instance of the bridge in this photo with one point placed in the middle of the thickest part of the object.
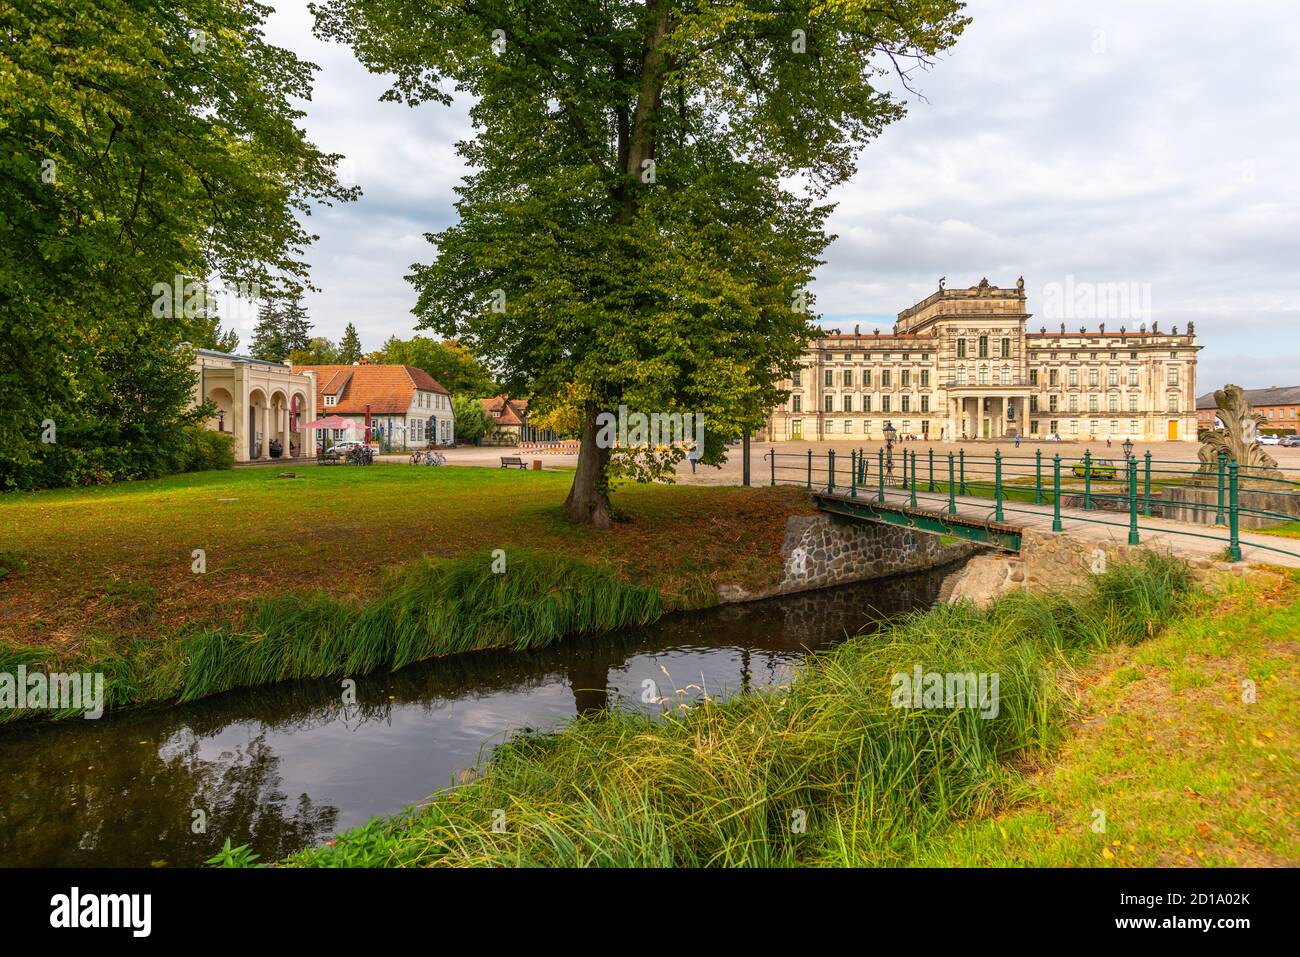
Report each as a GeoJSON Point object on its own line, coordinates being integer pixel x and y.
{"type": "Point", "coordinates": [994, 499]}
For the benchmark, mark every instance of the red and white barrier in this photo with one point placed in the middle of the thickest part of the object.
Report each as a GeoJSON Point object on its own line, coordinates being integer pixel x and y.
{"type": "Point", "coordinates": [554, 448]}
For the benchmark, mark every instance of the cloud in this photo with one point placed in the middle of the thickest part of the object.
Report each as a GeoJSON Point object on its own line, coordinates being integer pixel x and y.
{"type": "Point", "coordinates": [1104, 140]}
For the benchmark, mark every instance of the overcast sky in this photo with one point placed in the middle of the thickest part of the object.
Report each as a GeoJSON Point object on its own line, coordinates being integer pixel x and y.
{"type": "Point", "coordinates": [1154, 145]}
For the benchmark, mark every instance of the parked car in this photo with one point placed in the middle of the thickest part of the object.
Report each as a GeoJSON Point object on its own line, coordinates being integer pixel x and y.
{"type": "Point", "coordinates": [1290, 442]}
{"type": "Point", "coordinates": [1101, 468]}
{"type": "Point", "coordinates": [341, 450]}
{"type": "Point", "coordinates": [1270, 440]}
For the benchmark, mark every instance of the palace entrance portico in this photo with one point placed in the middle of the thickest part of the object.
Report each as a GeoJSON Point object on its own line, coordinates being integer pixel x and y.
{"type": "Point", "coordinates": [988, 412]}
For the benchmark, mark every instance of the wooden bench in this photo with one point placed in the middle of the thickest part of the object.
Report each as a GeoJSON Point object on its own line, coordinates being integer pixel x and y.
{"type": "Point", "coordinates": [507, 460]}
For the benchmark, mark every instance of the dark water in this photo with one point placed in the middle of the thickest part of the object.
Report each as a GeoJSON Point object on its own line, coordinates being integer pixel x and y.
{"type": "Point", "coordinates": [288, 766]}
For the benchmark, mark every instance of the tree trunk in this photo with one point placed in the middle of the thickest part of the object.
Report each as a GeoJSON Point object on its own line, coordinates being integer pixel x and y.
{"type": "Point", "coordinates": [588, 501]}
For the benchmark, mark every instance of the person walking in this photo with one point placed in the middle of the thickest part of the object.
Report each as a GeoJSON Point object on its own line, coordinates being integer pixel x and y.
{"type": "Point", "coordinates": [1017, 440]}
{"type": "Point", "coordinates": [693, 456]}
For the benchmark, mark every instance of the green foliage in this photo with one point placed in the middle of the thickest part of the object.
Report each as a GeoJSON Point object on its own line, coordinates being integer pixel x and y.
{"type": "Point", "coordinates": [448, 362]}
{"type": "Point", "coordinates": [472, 423]}
{"type": "Point", "coordinates": [721, 784]}
{"type": "Point", "coordinates": [349, 346]}
{"type": "Point", "coordinates": [241, 856]}
{"type": "Point", "coordinates": [319, 351]}
{"type": "Point", "coordinates": [140, 141]}
{"type": "Point", "coordinates": [206, 449]}
{"type": "Point", "coordinates": [632, 225]}
{"type": "Point", "coordinates": [431, 607]}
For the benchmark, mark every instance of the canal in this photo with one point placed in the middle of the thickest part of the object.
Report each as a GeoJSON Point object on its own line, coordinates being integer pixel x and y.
{"type": "Point", "coordinates": [287, 766]}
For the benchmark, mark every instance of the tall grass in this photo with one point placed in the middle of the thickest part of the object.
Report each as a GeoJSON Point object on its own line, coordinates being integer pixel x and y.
{"type": "Point", "coordinates": [429, 608]}
{"type": "Point", "coordinates": [824, 772]}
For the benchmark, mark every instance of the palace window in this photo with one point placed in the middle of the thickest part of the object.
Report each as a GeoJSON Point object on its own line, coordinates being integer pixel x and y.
{"type": "Point", "coordinates": [1053, 427]}
{"type": "Point", "coordinates": [1051, 405]}
{"type": "Point", "coordinates": [925, 427]}
{"type": "Point", "coordinates": [1173, 402]}
{"type": "Point", "coordinates": [1133, 403]}
{"type": "Point", "coordinates": [866, 403]}
{"type": "Point", "coordinates": [1074, 426]}
{"type": "Point", "coordinates": [984, 375]}
{"type": "Point", "coordinates": [1092, 377]}
{"type": "Point", "coordinates": [848, 424]}
{"type": "Point", "coordinates": [848, 403]}
{"type": "Point", "coordinates": [1113, 404]}
{"type": "Point", "coordinates": [884, 403]}
{"type": "Point", "coordinates": [830, 403]}
{"type": "Point", "coordinates": [925, 378]}
{"type": "Point", "coordinates": [961, 375]}
{"type": "Point", "coordinates": [907, 378]}
{"type": "Point", "coordinates": [1033, 377]}
{"type": "Point", "coordinates": [1006, 348]}
{"type": "Point", "coordinates": [984, 347]}
{"type": "Point", "coordinates": [1133, 426]}
{"type": "Point", "coordinates": [1114, 426]}
{"type": "Point", "coordinates": [1074, 403]}
{"type": "Point", "coordinates": [961, 348]}
{"type": "Point", "coordinates": [798, 404]}
{"type": "Point", "coordinates": [1033, 404]}
{"type": "Point", "coordinates": [848, 378]}
{"type": "Point", "coordinates": [925, 403]}
{"type": "Point", "coordinates": [798, 377]}
{"type": "Point", "coordinates": [1053, 378]}
{"type": "Point", "coordinates": [830, 376]}
{"type": "Point", "coordinates": [886, 378]}
{"type": "Point", "coordinates": [1033, 426]}
{"type": "Point", "coordinates": [1173, 375]}
{"type": "Point", "coordinates": [1092, 403]}
{"type": "Point", "coordinates": [1006, 375]}
{"type": "Point", "coordinates": [1132, 377]}
{"type": "Point", "coordinates": [907, 403]}
{"type": "Point", "coordinates": [1113, 377]}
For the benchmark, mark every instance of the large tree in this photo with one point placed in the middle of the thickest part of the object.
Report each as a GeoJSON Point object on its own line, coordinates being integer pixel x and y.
{"type": "Point", "coordinates": [646, 200]}
{"type": "Point", "coordinates": [145, 145]}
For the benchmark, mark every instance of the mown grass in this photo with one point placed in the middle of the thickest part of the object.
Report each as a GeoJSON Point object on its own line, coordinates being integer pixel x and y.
{"type": "Point", "coordinates": [823, 772]}
{"type": "Point", "coordinates": [85, 566]}
{"type": "Point", "coordinates": [429, 608]}
{"type": "Point", "coordinates": [1186, 754]}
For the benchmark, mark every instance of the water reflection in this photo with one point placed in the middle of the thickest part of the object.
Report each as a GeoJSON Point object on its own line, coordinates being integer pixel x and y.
{"type": "Point", "coordinates": [286, 766]}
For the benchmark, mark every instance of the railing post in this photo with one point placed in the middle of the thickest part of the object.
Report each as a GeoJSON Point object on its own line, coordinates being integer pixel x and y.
{"type": "Point", "coordinates": [961, 471]}
{"type": "Point", "coordinates": [830, 472]}
{"type": "Point", "coordinates": [862, 466]}
{"type": "Point", "coordinates": [1087, 480]}
{"type": "Point", "coordinates": [1218, 515]}
{"type": "Point", "coordinates": [912, 498]}
{"type": "Point", "coordinates": [952, 488]}
{"type": "Point", "coordinates": [880, 469]}
{"type": "Point", "coordinates": [904, 468]}
{"type": "Point", "coordinates": [1056, 492]}
{"type": "Point", "coordinates": [931, 470]}
{"type": "Point", "coordinates": [997, 486]}
{"type": "Point", "coordinates": [810, 469]}
{"type": "Point", "coordinates": [1038, 476]}
{"type": "Point", "coordinates": [1132, 501]}
{"type": "Point", "coordinates": [1234, 540]}
{"type": "Point", "coordinates": [1146, 488]}
{"type": "Point", "coordinates": [853, 492]}
{"type": "Point", "coordinates": [773, 466]}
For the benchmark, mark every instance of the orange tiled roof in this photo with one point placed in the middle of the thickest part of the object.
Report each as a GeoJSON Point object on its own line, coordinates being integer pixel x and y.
{"type": "Point", "coordinates": [509, 408]}
{"type": "Point", "coordinates": [385, 388]}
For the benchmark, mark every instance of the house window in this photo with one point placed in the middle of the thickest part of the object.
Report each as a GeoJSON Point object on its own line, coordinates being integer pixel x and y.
{"type": "Point", "coordinates": [330, 399]}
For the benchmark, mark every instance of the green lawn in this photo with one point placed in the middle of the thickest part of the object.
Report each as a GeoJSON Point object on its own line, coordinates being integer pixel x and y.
{"type": "Point", "coordinates": [118, 560]}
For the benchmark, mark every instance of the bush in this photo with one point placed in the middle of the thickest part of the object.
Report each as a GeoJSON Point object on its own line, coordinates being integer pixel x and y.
{"type": "Point", "coordinates": [203, 449]}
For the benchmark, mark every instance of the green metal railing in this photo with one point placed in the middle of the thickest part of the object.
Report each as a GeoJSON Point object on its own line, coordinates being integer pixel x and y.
{"type": "Point", "coordinates": [1135, 490]}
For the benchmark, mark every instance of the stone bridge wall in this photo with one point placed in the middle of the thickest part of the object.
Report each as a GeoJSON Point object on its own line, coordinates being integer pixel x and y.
{"type": "Point", "coordinates": [824, 550]}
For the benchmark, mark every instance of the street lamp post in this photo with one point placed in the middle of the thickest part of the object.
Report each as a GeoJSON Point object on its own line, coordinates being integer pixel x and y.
{"type": "Point", "coordinates": [890, 433]}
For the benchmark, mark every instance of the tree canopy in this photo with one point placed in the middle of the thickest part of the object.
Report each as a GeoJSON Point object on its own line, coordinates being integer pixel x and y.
{"type": "Point", "coordinates": [448, 362]}
{"type": "Point", "coordinates": [144, 144]}
{"type": "Point", "coordinates": [647, 195]}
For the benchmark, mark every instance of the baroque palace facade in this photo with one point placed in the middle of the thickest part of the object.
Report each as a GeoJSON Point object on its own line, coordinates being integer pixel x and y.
{"type": "Point", "coordinates": [961, 364]}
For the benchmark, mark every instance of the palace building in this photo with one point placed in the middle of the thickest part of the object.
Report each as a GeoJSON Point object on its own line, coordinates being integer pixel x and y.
{"type": "Point", "coordinates": [962, 364]}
